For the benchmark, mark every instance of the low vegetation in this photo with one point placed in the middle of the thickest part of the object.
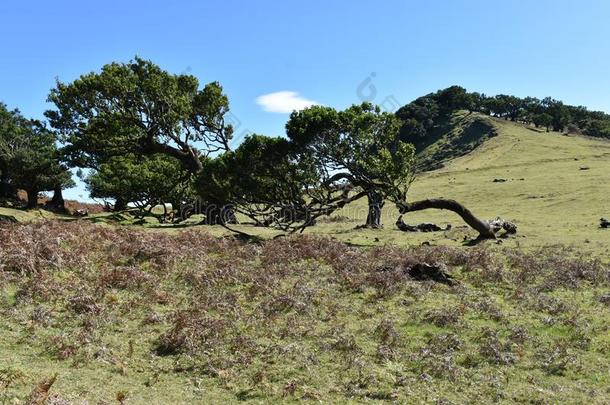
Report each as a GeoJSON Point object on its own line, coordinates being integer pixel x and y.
{"type": "Point", "coordinates": [139, 315]}
{"type": "Point", "coordinates": [212, 298]}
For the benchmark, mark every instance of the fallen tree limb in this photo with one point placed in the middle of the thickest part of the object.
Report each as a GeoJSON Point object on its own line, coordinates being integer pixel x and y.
{"type": "Point", "coordinates": [486, 229]}
{"type": "Point", "coordinates": [499, 223]}
{"type": "Point", "coordinates": [423, 227]}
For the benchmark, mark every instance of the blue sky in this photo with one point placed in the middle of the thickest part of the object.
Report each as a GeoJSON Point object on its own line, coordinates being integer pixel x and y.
{"type": "Point", "coordinates": [330, 52]}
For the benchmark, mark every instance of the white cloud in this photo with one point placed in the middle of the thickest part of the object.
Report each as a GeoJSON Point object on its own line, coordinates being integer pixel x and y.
{"type": "Point", "coordinates": [283, 102]}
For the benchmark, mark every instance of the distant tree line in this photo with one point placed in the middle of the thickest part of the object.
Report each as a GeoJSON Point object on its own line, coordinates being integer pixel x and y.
{"type": "Point", "coordinates": [421, 115]}
{"type": "Point", "coordinates": [141, 136]}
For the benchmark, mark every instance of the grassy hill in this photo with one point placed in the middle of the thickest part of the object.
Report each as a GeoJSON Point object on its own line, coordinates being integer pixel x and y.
{"type": "Point", "coordinates": [455, 136]}
{"type": "Point", "coordinates": [556, 188]}
{"type": "Point", "coordinates": [171, 315]}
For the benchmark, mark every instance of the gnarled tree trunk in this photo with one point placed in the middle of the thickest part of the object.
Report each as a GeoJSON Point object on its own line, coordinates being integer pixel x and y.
{"type": "Point", "coordinates": [373, 219]}
{"type": "Point", "coordinates": [58, 199]}
{"type": "Point", "coordinates": [6, 188]}
{"type": "Point", "coordinates": [486, 231]}
{"type": "Point", "coordinates": [32, 198]}
{"type": "Point", "coordinates": [119, 205]}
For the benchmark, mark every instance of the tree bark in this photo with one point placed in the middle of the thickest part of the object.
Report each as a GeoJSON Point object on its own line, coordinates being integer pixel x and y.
{"type": "Point", "coordinates": [119, 205]}
{"type": "Point", "coordinates": [373, 219]}
{"type": "Point", "coordinates": [6, 188]}
{"type": "Point", "coordinates": [58, 199]}
{"type": "Point", "coordinates": [483, 227]}
{"type": "Point", "coordinates": [32, 198]}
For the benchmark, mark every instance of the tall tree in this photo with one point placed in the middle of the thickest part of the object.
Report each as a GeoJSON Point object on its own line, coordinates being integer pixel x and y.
{"type": "Point", "coordinates": [138, 108]}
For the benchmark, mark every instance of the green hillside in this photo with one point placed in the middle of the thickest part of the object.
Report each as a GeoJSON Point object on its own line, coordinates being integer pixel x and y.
{"type": "Point", "coordinates": [172, 315]}
{"type": "Point", "coordinates": [556, 188]}
{"type": "Point", "coordinates": [456, 136]}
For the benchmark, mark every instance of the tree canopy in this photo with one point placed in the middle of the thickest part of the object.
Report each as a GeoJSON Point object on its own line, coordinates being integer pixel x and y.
{"type": "Point", "coordinates": [138, 108]}
{"type": "Point", "coordinates": [29, 157]}
{"type": "Point", "coordinates": [421, 115]}
{"type": "Point", "coordinates": [358, 145]}
{"type": "Point", "coordinates": [330, 159]}
{"type": "Point", "coordinates": [149, 136]}
{"type": "Point", "coordinates": [140, 180]}
{"type": "Point", "coordinates": [262, 179]}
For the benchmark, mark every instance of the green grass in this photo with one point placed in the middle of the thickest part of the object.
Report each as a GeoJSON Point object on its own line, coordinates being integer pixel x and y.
{"type": "Point", "coordinates": [315, 319]}
{"type": "Point", "coordinates": [294, 319]}
{"type": "Point", "coordinates": [25, 216]}
{"type": "Point", "coordinates": [546, 194]}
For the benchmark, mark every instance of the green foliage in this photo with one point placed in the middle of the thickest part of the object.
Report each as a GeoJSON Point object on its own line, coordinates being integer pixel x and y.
{"type": "Point", "coordinates": [421, 117]}
{"type": "Point", "coordinates": [542, 120]}
{"type": "Point", "coordinates": [12, 125]}
{"type": "Point", "coordinates": [358, 144]}
{"type": "Point", "coordinates": [140, 180]}
{"type": "Point", "coordinates": [261, 169]}
{"type": "Point", "coordinates": [454, 98]}
{"type": "Point", "coordinates": [598, 128]}
{"type": "Point", "coordinates": [29, 157]}
{"type": "Point", "coordinates": [138, 108]}
{"type": "Point", "coordinates": [424, 110]}
{"type": "Point", "coordinates": [560, 115]}
{"type": "Point", "coordinates": [300, 177]}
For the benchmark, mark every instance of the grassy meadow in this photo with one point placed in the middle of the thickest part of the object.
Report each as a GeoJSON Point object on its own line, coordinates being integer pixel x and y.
{"type": "Point", "coordinates": [546, 194]}
{"type": "Point", "coordinates": [162, 314]}
{"type": "Point", "coordinates": [556, 191]}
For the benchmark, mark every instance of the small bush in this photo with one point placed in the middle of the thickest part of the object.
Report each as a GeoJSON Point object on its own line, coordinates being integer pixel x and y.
{"type": "Point", "coordinates": [444, 316]}
{"type": "Point", "coordinates": [191, 331]}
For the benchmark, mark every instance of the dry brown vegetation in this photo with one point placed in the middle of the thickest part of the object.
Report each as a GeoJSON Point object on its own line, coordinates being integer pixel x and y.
{"type": "Point", "coordinates": [303, 317]}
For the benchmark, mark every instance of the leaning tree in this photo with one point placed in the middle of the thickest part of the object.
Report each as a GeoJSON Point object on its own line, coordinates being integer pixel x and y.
{"type": "Point", "coordinates": [330, 159]}
{"type": "Point", "coordinates": [358, 149]}
{"type": "Point", "coordinates": [136, 108]}
{"type": "Point", "coordinates": [354, 148]}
